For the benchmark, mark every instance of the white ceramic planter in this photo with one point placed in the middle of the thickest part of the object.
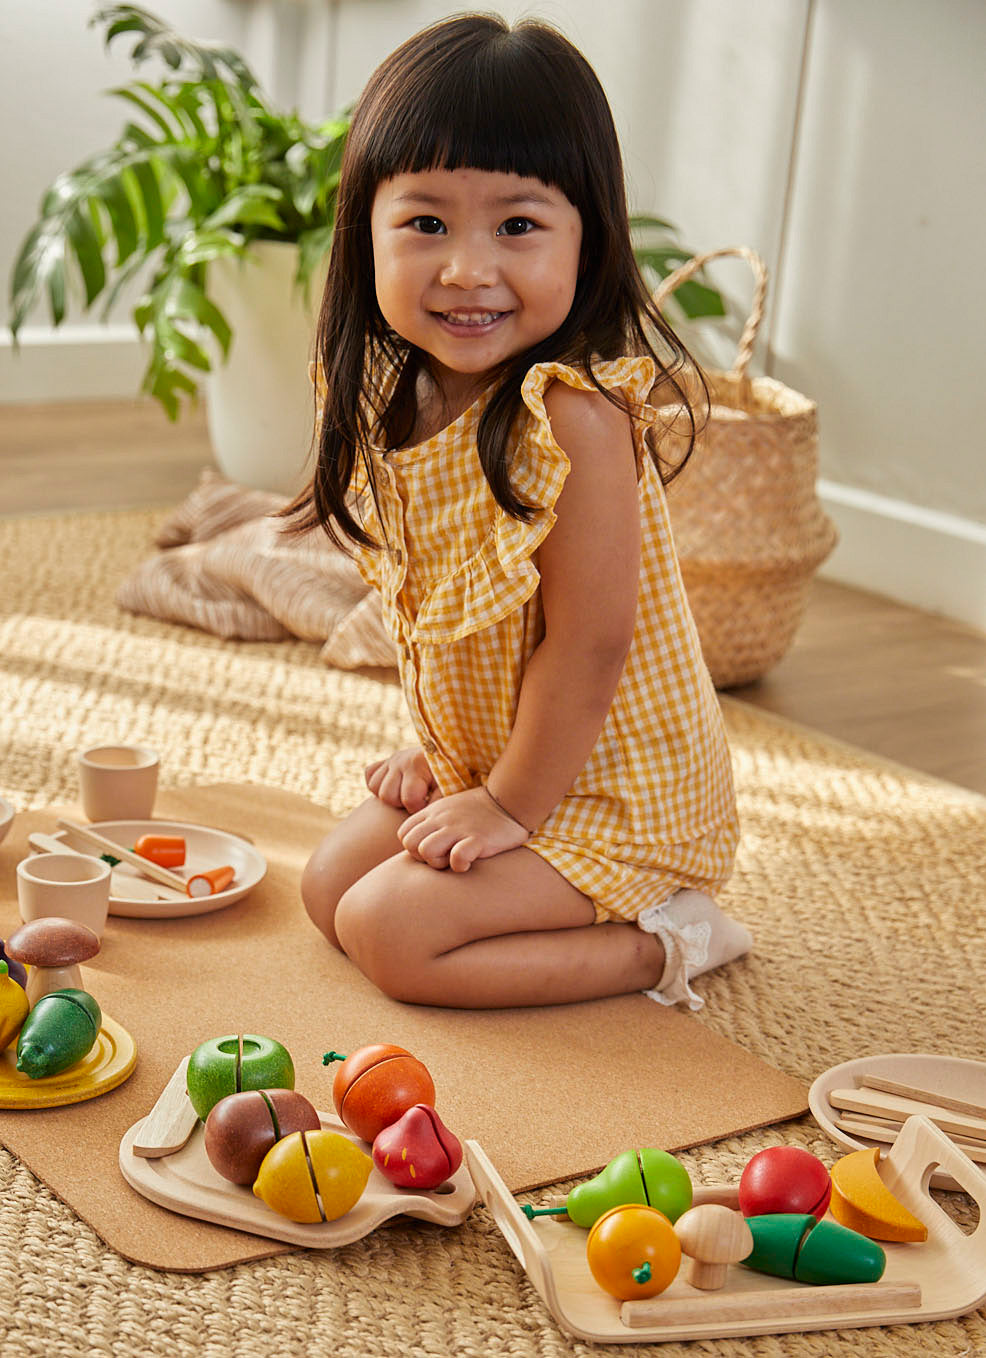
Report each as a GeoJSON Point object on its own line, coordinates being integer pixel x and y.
{"type": "Point", "coordinates": [259, 403]}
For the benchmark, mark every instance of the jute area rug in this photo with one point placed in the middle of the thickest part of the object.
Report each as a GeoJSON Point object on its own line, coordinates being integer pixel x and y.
{"type": "Point", "coordinates": [862, 882]}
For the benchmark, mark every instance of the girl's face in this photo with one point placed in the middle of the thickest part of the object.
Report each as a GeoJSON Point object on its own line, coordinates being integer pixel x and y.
{"type": "Point", "coordinates": [473, 267]}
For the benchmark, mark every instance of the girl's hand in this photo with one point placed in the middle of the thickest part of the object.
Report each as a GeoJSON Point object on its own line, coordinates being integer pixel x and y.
{"type": "Point", "coordinates": [454, 831]}
{"type": "Point", "coordinates": [403, 780]}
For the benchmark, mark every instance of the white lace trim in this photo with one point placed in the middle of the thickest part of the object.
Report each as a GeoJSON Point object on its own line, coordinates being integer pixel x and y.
{"type": "Point", "coordinates": [686, 950]}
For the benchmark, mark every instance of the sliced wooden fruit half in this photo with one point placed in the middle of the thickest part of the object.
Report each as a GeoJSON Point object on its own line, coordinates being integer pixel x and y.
{"type": "Point", "coordinates": [864, 1203]}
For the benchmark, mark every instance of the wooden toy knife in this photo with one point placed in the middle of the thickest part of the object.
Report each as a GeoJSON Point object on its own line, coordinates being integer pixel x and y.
{"type": "Point", "coordinates": [170, 1122]}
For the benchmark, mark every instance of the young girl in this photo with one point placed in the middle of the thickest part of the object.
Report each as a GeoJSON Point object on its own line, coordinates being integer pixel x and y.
{"type": "Point", "coordinates": [486, 364]}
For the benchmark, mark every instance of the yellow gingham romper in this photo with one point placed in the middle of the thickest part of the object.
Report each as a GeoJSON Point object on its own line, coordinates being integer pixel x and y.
{"type": "Point", "coordinates": [653, 809]}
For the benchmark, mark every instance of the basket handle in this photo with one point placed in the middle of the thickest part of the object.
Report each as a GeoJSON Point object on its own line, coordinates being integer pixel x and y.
{"type": "Point", "coordinates": [681, 275]}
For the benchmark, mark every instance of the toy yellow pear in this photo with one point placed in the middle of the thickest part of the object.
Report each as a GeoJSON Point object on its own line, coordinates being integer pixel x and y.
{"type": "Point", "coordinates": [14, 1007]}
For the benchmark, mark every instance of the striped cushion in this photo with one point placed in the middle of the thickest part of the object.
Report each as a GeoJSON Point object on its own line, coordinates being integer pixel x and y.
{"type": "Point", "coordinates": [229, 568]}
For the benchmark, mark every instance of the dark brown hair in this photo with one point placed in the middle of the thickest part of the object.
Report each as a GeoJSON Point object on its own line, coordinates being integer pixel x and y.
{"type": "Point", "coordinates": [474, 92]}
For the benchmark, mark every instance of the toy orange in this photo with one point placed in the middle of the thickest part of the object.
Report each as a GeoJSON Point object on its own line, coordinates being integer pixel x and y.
{"type": "Point", "coordinates": [633, 1252]}
{"type": "Point", "coordinates": [376, 1085]}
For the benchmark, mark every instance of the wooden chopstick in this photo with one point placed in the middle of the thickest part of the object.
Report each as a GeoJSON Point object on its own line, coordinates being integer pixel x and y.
{"type": "Point", "coordinates": [898, 1109]}
{"type": "Point", "coordinates": [895, 1124]}
{"type": "Point", "coordinates": [144, 865]}
{"type": "Point", "coordinates": [870, 1129]}
{"type": "Point", "coordinates": [973, 1110]}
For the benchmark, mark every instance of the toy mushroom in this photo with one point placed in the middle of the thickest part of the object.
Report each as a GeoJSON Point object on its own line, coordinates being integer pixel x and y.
{"type": "Point", "coordinates": [713, 1237]}
{"type": "Point", "coordinates": [52, 947]}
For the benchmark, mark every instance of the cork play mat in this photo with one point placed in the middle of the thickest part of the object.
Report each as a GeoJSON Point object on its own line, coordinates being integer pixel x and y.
{"type": "Point", "coordinates": [641, 1074]}
{"type": "Point", "coordinates": [862, 882]}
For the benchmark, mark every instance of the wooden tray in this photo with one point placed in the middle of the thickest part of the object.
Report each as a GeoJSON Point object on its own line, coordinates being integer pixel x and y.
{"type": "Point", "coordinates": [942, 1278]}
{"type": "Point", "coordinates": [107, 1065]}
{"type": "Point", "coordinates": [184, 1181]}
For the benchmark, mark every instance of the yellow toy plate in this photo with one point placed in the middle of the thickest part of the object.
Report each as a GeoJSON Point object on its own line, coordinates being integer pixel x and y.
{"type": "Point", "coordinates": [107, 1065]}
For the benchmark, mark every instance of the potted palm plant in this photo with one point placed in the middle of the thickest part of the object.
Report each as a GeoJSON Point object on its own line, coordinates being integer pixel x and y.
{"type": "Point", "coordinates": [223, 206]}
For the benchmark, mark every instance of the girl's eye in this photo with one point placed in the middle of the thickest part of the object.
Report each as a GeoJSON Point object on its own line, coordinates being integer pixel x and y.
{"type": "Point", "coordinates": [516, 226]}
{"type": "Point", "coordinates": [429, 226]}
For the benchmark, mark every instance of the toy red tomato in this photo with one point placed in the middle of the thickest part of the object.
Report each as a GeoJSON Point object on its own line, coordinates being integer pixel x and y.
{"type": "Point", "coordinates": [633, 1252]}
{"type": "Point", "coordinates": [784, 1179]}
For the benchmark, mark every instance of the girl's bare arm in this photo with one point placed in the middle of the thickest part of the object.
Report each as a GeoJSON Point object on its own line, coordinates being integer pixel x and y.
{"type": "Point", "coordinates": [589, 565]}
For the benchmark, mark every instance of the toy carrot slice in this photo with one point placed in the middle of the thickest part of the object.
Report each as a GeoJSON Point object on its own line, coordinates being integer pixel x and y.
{"type": "Point", "coordinates": [167, 851]}
{"type": "Point", "coordinates": [211, 882]}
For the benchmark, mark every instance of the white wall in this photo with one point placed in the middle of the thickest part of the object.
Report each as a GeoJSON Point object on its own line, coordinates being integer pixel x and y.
{"type": "Point", "coordinates": [842, 140]}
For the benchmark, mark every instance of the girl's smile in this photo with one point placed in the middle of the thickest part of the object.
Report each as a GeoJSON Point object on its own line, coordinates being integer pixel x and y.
{"type": "Point", "coordinates": [473, 267]}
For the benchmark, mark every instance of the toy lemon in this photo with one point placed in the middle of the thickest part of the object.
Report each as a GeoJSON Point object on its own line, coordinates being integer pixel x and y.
{"type": "Point", "coordinates": [13, 1007]}
{"type": "Point", "coordinates": [313, 1176]}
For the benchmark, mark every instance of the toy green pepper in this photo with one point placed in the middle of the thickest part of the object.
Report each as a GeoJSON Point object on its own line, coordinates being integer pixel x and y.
{"type": "Point", "coordinates": [797, 1245]}
{"type": "Point", "coordinates": [59, 1031]}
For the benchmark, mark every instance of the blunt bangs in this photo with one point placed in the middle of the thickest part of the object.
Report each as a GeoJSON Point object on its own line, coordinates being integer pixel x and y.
{"type": "Point", "coordinates": [486, 98]}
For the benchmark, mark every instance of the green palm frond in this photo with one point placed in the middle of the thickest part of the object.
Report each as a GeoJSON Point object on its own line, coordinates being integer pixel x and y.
{"type": "Point", "coordinates": [205, 61]}
{"type": "Point", "coordinates": [659, 254]}
{"type": "Point", "coordinates": [203, 165]}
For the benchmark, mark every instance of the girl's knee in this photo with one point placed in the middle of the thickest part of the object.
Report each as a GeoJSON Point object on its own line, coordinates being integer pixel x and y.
{"type": "Point", "coordinates": [369, 932]}
{"type": "Point", "coordinates": [320, 893]}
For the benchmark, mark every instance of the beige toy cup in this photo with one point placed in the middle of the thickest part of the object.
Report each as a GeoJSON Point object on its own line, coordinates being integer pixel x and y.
{"type": "Point", "coordinates": [70, 885]}
{"type": "Point", "coordinates": [118, 782]}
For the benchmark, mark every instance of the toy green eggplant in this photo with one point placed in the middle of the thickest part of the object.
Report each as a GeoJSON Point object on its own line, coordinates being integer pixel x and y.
{"type": "Point", "coordinates": [13, 1007]}
{"type": "Point", "coordinates": [651, 1177]}
{"type": "Point", "coordinates": [796, 1245]}
{"type": "Point", "coordinates": [59, 1031]}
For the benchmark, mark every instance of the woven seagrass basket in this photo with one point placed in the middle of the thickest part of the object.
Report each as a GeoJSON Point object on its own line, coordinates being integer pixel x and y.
{"type": "Point", "coordinates": [748, 527]}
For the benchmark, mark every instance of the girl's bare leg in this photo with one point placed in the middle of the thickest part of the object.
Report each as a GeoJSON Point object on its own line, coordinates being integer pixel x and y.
{"type": "Point", "coordinates": [365, 838]}
{"type": "Point", "coordinates": [510, 931]}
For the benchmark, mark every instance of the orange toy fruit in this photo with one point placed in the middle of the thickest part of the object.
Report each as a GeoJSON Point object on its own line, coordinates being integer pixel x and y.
{"type": "Point", "coordinates": [376, 1085]}
{"type": "Point", "coordinates": [633, 1252]}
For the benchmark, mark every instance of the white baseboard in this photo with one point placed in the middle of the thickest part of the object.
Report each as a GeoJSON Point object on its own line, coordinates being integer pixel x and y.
{"type": "Point", "coordinates": [917, 556]}
{"type": "Point", "coordinates": [75, 363]}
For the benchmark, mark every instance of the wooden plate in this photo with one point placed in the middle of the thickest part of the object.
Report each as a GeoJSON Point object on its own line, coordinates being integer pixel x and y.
{"type": "Point", "coordinates": [949, 1075]}
{"type": "Point", "coordinates": [107, 1065]}
{"type": "Point", "coordinates": [185, 1182]}
{"type": "Point", "coordinates": [205, 848]}
{"type": "Point", "coordinates": [941, 1278]}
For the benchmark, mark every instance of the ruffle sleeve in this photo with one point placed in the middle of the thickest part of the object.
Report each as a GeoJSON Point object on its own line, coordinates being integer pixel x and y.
{"type": "Point", "coordinates": [502, 576]}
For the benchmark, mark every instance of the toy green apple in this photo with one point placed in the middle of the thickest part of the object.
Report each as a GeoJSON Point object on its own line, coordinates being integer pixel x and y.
{"type": "Point", "coordinates": [226, 1065]}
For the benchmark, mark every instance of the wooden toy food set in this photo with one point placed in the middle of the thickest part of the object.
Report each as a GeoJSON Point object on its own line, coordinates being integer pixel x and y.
{"type": "Point", "coordinates": [56, 1045]}
{"type": "Point", "coordinates": [229, 1141]}
{"type": "Point", "coordinates": [164, 869]}
{"type": "Point", "coordinates": [923, 1268]}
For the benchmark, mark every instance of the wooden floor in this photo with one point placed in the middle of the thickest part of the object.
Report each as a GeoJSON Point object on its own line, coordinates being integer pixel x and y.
{"type": "Point", "coordinates": [905, 684]}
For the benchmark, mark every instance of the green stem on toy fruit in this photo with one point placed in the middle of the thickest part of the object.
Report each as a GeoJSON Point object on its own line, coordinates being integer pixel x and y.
{"type": "Point", "coordinates": [532, 1212]}
{"type": "Point", "coordinates": [642, 1274]}
{"type": "Point", "coordinates": [329, 1057]}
